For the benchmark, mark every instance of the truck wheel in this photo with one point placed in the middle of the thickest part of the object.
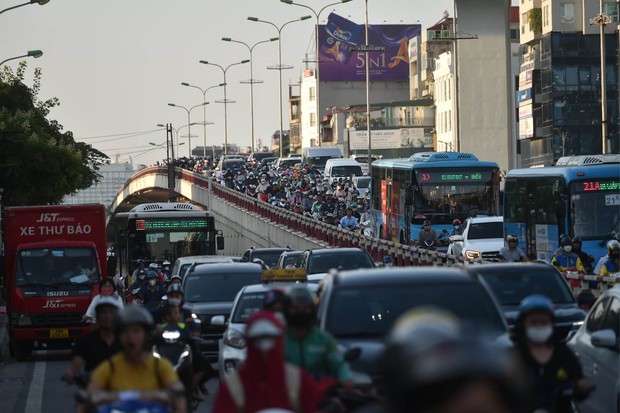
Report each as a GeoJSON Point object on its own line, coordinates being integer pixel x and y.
{"type": "Point", "coordinates": [21, 350]}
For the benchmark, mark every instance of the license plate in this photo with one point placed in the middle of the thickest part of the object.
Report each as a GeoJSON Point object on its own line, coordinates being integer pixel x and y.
{"type": "Point", "coordinates": [59, 333]}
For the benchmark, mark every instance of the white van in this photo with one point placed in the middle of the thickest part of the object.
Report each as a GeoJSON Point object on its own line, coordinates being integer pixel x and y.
{"type": "Point", "coordinates": [318, 156]}
{"type": "Point", "coordinates": [342, 168]}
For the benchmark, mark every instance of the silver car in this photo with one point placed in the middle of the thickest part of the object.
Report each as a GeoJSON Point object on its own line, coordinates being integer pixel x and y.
{"type": "Point", "coordinates": [597, 346]}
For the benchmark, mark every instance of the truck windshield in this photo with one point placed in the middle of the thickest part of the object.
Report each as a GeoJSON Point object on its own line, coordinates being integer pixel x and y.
{"type": "Point", "coordinates": [50, 266]}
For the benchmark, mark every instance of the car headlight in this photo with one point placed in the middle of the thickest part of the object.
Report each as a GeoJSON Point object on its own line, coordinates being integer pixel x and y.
{"type": "Point", "coordinates": [234, 338]}
{"type": "Point", "coordinates": [20, 319]}
{"type": "Point", "coordinates": [472, 255]}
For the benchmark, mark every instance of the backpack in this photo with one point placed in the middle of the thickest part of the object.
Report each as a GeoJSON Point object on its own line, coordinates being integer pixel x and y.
{"type": "Point", "coordinates": [292, 375]}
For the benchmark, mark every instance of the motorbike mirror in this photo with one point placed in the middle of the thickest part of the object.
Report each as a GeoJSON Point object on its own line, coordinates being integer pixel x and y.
{"type": "Point", "coordinates": [352, 354]}
{"type": "Point", "coordinates": [218, 320]}
{"type": "Point", "coordinates": [456, 238]}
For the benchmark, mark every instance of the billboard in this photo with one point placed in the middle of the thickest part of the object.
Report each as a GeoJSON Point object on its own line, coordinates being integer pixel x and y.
{"type": "Point", "coordinates": [340, 60]}
{"type": "Point", "coordinates": [524, 96]}
{"type": "Point", "coordinates": [390, 139]}
{"type": "Point", "coordinates": [526, 128]}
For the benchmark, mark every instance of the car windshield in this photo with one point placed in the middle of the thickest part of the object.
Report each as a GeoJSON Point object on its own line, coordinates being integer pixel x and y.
{"type": "Point", "coordinates": [370, 311]}
{"type": "Point", "coordinates": [320, 263]}
{"type": "Point", "coordinates": [512, 286]}
{"type": "Point", "coordinates": [215, 287]}
{"type": "Point", "coordinates": [232, 164]}
{"type": "Point", "coordinates": [270, 258]}
{"type": "Point", "coordinates": [319, 161]}
{"type": "Point", "coordinates": [247, 305]}
{"type": "Point", "coordinates": [362, 183]}
{"type": "Point", "coordinates": [485, 230]}
{"type": "Point", "coordinates": [347, 170]}
{"type": "Point", "coordinates": [53, 266]}
{"type": "Point", "coordinates": [290, 259]}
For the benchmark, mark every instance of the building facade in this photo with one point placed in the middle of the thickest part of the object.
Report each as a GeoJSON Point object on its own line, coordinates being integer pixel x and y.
{"type": "Point", "coordinates": [113, 178]}
{"type": "Point", "coordinates": [445, 124]}
{"type": "Point", "coordinates": [559, 93]}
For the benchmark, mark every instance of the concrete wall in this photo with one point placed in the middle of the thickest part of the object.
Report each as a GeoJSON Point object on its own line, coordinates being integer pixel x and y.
{"type": "Point", "coordinates": [484, 80]}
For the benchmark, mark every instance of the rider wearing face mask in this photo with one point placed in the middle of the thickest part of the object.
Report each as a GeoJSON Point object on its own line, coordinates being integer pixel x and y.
{"type": "Point", "coordinates": [456, 228]}
{"type": "Point", "coordinates": [307, 346]}
{"type": "Point", "coordinates": [428, 236]}
{"type": "Point", "coordinates": [566, 260]}
{"type": "Point", "coordinates": [265, 380]}
{"type": "Point", "coordinates": [107, 288]}
{"type": "Point", "coordinates": [152, 292]}
{"type": "Point", "coordinates": [550, 366]}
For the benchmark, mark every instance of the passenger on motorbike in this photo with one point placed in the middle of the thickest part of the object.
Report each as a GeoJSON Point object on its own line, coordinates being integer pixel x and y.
{"type": "Point", "coordinates": [551, 367]}
{"type": "Point", "coordinates": [349, 221]}
{"type": "Point", "coordinates": [313, 350]}
{"type": "Point", "coordinates": [135, 368]}
{"type": "Point", "coordinates": [97, 345]}
{"type": "Point", "coordinates": [511, 252]}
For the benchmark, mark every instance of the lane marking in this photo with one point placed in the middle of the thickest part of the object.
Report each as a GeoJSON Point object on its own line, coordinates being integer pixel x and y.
{"type": "Point", "coordinates": [35, 393]}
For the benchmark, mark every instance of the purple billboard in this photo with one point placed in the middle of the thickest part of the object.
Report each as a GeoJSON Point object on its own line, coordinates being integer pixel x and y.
{"type": "Point", "coordinates": [339, 59]}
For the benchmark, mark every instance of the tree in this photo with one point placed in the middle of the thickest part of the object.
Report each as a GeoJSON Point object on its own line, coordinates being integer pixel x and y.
{"type": "Point", "coordinates": [40, 164]}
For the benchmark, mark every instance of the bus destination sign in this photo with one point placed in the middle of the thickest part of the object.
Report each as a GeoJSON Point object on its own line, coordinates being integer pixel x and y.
{"type": "Point", "coordinates": [170, 224]}
{"type": "Point", "coordinates": [454, 176]}
{"type": "Point", "coordinates": [595, 186]}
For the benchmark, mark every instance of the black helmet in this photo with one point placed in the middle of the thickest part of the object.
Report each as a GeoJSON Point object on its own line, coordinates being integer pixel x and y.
{"type": "Point", "coordinates": [586, 297]}
{"type": "Point", "coordinates": [297, 295]}
{"type": "Point", "coordinates": [175, 288]}
{"type": "Point", "coordinates": [133, 315]}
{"type": "Point", "coordinates": [427, 223]}
{"type": "Point", "coordinates": [566, 241]}
{"type": "Point", "coordinates": [577, 240]}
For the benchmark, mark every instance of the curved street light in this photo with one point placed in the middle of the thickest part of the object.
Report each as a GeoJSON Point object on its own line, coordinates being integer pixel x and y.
{"type": "Point", "coordinates": [189, 131]}
{"type": "Point", "coordinates": [225, 101]}
{"type": "Point", "coordinates": [252, 80]}
{"type": "Point", "coordinates": [279, 67]}
{"type": "Point", "coordinates": [31, 53]}
{"type": "Point", "coordinates": [316, 48]}
{"type": "Point", "coordinates": [40, 2]}
{"type": "Point", "coordinates": [204, 111]}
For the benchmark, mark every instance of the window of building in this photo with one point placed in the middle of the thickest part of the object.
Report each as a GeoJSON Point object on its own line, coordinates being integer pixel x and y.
{"type": "Point", "coordinates": [450, 120]}
{"type": "Point", "coordinates": [611, 9]}
{"type": "Point", "coordinates": [312, 94]}
{"type": "Point", "coordinates": [567, 12]}
{"type": "Point", "coordinates": [546, 16]}
{"type": "Point", "coordinates": [514, 34]}
{"type": "Point", "coordinates": [312, 119]}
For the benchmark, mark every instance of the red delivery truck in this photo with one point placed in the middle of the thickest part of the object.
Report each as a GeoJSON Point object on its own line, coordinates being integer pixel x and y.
{"type": "Point", "coordinates": [55, 256]}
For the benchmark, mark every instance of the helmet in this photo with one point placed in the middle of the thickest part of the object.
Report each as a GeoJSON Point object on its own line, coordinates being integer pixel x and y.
{"type": "Point", "coordinates": [272, 297]}
{"type": "Point", "coordinates": [456, 222]}
{"type": "Point", "coordinates": [142, 274]}
{"type": "Point", "coordinates": [153, 266]}
{"type": "Point", "coordinates": [535, 303]}
{"type": "Point", "coordinates": [297, 295]}
{"type": "Point", "coordinates": [263, 323]}
{"type": "Point", "coordinates": [107, 301]}
{"type": "Point", "coordinates": [586, 297]}
{"type": "Point", "coordinates": [133, 315]}
{"type": "Point", "coordinates": [613, 245]}
{"type": "Point", "coordinates": [175, 288]}
{"type": "Point", "coordinates": [566, 241]}
{"type": "Point", "coordinates": [151, 274]}
{"type": "Point", "coordinates": [353, 205]}
{"type": "Point", "coordinates": [577, 240]}
{"type": "Point", "coordinates": [140, 261]}
{"type": "Point", "coordinates": [511, 238]}
{"type": "Point", "coordinates": [176, 277]}
{"type": "Point", "coordinates": [427, 223]}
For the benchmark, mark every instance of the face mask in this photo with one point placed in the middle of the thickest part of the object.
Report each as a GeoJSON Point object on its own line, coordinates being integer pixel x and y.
{"type": "Point", "coordinates": [539, 334]}
{"type": "Point", "coordinates": [614, 255]}
{"type": "Point", "coordinates": [152, 282]}
{"type": "Point", "coordinates": [174, 301]}
{"type": "Point", "coordinates": [427, 228]}
{"type": "Point", "coordinates": [107, 290]}
{"type": "Point", "coordinates": [300, 320]}
{"type": "Point", "coordinates": [568, 248]}
{"type": "Point", "coordinates": [265, 344]}
{"type": "Point", "coordinates": [457, 226]}
{"type": "Point", "coordinates": [141, 277]}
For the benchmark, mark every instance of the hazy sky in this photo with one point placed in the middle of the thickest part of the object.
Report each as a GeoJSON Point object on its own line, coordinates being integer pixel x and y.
{"type": "Point", "coordinates": [115, 65]}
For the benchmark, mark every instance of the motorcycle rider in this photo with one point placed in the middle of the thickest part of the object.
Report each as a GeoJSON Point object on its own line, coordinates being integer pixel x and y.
{"type": "Point", "coordinates": [135, 368]}
{"type": "Point", "coordinates": [585, 258]}
{"type": "Point", "coordinates": [134, 274]}
{"type": "Point", "coordinates": [456, 228]}
{"type": "Point", "coordinates": [307, 346]}
{"type": "Point", "coordinates": [550, 366]}
{"type": "Point", "coordinates": [138, 282]}
{"type": "Point", "coordinates": [612, 263]}
{"type": "Point", "coordinates": [349, 221]}
{"type": "Point", "coordinates": [150, 294]}
{"type": "Point", "coordinates": [511, 252]}
{"type": "Point", "coordinates": [98, 345]}
{"type": "Point", "coordinates": [427, 237]}
{"type": "Point", "coordinates": [566, 260]}
{"type": "Point", "coordinates": [107, 288]}
{"type": "Point", "coordinates": [317, 206]}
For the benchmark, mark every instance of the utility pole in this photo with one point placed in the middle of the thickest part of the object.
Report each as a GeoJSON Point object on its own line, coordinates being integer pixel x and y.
{"type": "Point", "coordinates": [602, 20]}
{"type": "Point", "coordinates": [171, 177]}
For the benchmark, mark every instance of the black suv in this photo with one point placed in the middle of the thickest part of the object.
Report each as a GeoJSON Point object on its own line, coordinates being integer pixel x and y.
{"type": "Point", "coordinates": [359, 307]}
{"type": "Point", "coordinates": [319, 261]}
{"type": "Point", "coordinates": [269, 256]}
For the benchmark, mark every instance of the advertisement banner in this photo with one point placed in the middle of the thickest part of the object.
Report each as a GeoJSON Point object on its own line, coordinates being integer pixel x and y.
{"type": "Point", "coordinates": [525, 111]}
{"type": "Point", "coordinates": [340, 61]}
{"type": "Point", "coordinates": [526, 128]}
{"type": "Point", "coordinates": [390, 139]}
{"type": "Point", "coordinates": [525, 78]}
{"type": "Point", "coordinates": [524, 96]}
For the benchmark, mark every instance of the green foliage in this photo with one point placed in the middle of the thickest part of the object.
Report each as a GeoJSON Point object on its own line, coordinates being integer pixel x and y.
{"type": "Point", "coordinates": [39, 163]}
{"type": "Point", "coordinates": [535, 18]}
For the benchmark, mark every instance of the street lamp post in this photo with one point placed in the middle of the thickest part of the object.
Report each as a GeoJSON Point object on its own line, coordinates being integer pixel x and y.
{"type": "Point", "coordinates": [603, 20]}
{"type": "Point", "coordinates": [280, 68]}
{"type": "Point", "coordinates": [316, 47]}
{"type": "Point", "coordinates": [31, 53]}
{"type": "Point", "coordinates": [225, 101]}
{"type": "Point", "coordinates": [40, 2]}
{"type": "Point", "coordinates": [251, 81]}
{"type": "Point", "coordinates": [204, 112]}
{"type": "Point", "coordinates": [189, 130]}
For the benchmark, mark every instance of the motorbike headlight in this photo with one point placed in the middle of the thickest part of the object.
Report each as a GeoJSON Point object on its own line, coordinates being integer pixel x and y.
{"type": "Point", "coordinates": [472, 255]}
{"type": "Point", "coordinates": [234, 338]}
{"type": "Point", "coordinates": [20, 319]}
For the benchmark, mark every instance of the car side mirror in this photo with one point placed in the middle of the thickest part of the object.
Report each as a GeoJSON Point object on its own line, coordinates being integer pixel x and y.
{"type": "Point", "coordinates": [456, 238]}
{"type": "Point", "coordinates": [604, 339]}
{"type": "Point", "coordinates": [218, 320]}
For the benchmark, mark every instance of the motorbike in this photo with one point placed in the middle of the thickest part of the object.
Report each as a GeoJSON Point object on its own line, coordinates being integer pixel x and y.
{"type": "Point", "coordinates": [366, 229]}
{"type": "Point", "coordinates": [239, 186]}
{"type": "Point", "coordinates": [172, 346]}
{"type": "Point", "coordinates": [329, 218]}
{"type": "Point", "coordinates": [126, 402]}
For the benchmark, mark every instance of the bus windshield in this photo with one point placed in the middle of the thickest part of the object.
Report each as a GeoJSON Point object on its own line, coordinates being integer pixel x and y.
{"type": "Point", "coordinates": [452, 200]}
{"type": "Point", "coordinates": [59, 265]}
{"type": "Point", "coordinates": [595, 208]}
{"type": "Point", "coordinates": [164, 245]}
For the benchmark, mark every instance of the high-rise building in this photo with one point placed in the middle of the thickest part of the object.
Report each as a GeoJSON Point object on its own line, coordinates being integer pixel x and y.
{"type": "Point", "coordinates": [559, 87]}
{"type": "Point", "coordinates": [113, 178]}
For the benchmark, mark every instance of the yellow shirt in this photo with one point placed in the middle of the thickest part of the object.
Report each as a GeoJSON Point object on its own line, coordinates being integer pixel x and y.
{"type": "Point", "coordinates": [125, 376]}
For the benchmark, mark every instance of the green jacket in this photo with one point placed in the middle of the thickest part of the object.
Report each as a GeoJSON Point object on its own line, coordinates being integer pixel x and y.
{"type": "Point", "coordinates": [318, 354]}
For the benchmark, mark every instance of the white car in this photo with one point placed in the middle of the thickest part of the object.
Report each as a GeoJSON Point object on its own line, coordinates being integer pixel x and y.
{"type": "Point", "coordinates": [362, 184]}
{"type": "Point", "coordinates": [596, 345]}
{"type": "Point", "coordinates": [482, 239]}
{"type": "Point", "coordinates": [182, 264]}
